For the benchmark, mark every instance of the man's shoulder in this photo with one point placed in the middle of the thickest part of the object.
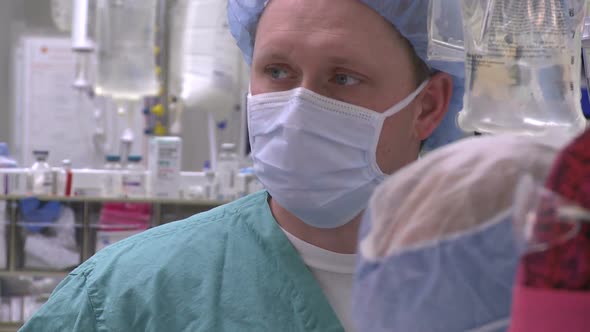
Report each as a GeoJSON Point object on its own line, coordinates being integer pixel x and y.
{"type": "Point", "coordinates": [229, 269]}
{"type": "Point", "coordinates": [174, 243]}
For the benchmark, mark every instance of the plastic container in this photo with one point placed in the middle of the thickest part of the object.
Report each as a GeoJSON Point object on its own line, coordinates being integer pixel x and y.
{"type": "Point", "coordinates": [228, 167]}
{"type": "Point", "coordinates": [445, 31]}
{"type": "Point", "coordinates": [61, 13]}
{"type": "Point", "coordinates": [88, 182]}
{"type": "Point", "coordinates": [14, 181]}
{"type": "Point", "coordinates": [125, 33]}
{"type": "Point", "coordinates": [134, 178]}
{"type": "Point", "coordinates": [113, 184]}
{"type": "Point", "coordinates": [522, 67]}
{"type": "Point", "coordinates": [165, 159]}
{"type": "Point", "coordinates": [41, 175]}
{"type": "Point", "coordinates": [205, 63]}
{"type": "Point", "coordinates": [211, 184]}
{"type": "Point", "coordinates": [63, 186]}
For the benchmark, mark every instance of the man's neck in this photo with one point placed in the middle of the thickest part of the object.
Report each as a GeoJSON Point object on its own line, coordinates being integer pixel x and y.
{"type": "Point", "coordinates": [341, 240]}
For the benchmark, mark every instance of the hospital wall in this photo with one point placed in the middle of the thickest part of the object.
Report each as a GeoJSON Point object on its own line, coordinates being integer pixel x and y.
{"type": "Point", "coordinates": [15, 17]}
{"type": "Point", "coordinates": [19, 17]}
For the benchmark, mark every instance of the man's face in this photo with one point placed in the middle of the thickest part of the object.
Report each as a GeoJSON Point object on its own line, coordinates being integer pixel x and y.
{"type": "Point", "coordinates": [346, 51]}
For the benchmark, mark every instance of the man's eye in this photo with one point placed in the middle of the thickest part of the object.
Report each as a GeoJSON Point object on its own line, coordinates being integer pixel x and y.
{"type": "Point", "coordinates": [345, 80]}
{"type": "Point", "coordinates": [277, 73]}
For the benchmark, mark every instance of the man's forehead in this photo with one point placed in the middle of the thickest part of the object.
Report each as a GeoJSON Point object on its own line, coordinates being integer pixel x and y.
{"type": "Point", "coordinates": [340, 57]}
{"type": "Point", "coordinates": [332, 16]}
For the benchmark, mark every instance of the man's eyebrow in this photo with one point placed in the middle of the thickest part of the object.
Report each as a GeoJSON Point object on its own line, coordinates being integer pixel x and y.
{"type": "Point", "coordinates": [278, 56]}
{"type": "Point", "coordinates": [272, 55]}
{"type": "Point", "coordinates": [340, 60]}
{"type": "Point", "coordinates": [336, 60]}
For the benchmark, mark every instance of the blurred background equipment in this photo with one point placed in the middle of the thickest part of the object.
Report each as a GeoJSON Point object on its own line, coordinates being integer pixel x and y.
{"type": "Point", "coordinates": [121, 115]}
{"type": "Point", "coordinates": [117, 116]}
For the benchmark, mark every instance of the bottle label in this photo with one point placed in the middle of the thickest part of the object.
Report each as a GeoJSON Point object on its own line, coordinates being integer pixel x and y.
{"type": "Point", "coordinates": [134, 185]}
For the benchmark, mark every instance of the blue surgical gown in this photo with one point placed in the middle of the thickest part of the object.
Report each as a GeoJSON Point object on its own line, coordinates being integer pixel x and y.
{"type": "Point", "coordinates": [229, 269]}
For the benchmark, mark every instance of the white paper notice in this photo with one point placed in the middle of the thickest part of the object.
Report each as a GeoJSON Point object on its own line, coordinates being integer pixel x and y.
{"type": "Point", "coordinates": [53, 116]}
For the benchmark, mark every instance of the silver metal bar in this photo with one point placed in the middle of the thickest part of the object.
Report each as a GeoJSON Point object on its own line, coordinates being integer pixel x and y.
{"type": "Point", "coordinates": [157, 211]}
{"type": "Point", "coordinates": [12, 235]}
{"type": "Point", "coordinates": [85, 254]}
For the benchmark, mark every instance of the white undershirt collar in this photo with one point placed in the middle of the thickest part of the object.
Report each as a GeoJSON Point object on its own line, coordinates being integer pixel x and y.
{"type": "Point", "coordinates": [322, 259]}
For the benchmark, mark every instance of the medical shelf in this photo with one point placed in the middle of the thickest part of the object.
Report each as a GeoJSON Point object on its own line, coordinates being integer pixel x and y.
{"type": "Point", "coordinates": [116, 199]}
{"type": "Point", "coordinates": [34, 273]}
{"type": "Point", "coordinates": [10, 327]}
{"type": "Point", "coordinates": [86, 212]}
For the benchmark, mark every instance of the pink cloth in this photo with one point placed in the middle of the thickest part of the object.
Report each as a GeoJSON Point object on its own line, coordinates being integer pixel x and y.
{"type": "Point", "coordinates": [125, 216]}
{"type": "Point", "coordinates": [547, 310]}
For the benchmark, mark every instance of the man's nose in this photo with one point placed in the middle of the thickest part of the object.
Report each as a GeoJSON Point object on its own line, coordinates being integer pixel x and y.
{"type": "Point", "coordinates": [314, 84]}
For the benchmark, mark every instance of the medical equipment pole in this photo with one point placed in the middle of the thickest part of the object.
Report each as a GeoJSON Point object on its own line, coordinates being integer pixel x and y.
{"type": "Point", "coordinates": [80, 41]}
{"type": "Point", "coordinates": [212, 128]}
{"type": "Point", "coordinates": [81, 44]}
{"type": "Point", "coordinates": [164, 56]}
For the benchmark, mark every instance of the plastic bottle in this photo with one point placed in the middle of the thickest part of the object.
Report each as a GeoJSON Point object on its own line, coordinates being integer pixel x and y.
{"type": "Point", "coordinates": [113, 186]}
{"type": "Point", "coordinates": [211, 187]}
{"type": "Point", "coordinates": [41, 176]}
{"type": "Point", "coordinates": [228, 167]}
{"type": "Point", "coordinates": [63, 183]}
{"type": "Point", "coordinates": [134, 178]}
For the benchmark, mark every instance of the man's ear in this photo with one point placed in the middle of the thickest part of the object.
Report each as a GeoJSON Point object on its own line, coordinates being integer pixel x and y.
{"type": "Point", "coordinates": [434, 104]}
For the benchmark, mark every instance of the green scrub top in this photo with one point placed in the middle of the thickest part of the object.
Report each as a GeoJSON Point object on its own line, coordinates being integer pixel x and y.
{"type": "Point", "coordinates": [228, 269]}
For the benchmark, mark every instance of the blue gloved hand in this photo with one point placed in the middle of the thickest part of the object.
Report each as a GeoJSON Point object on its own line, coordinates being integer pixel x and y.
{"type": "Point", "coordinates": [36, 212]}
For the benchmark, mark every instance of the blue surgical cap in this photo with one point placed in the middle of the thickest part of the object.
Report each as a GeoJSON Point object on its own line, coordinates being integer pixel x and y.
{"type": "Point", "coordinates": [410, 18]}
{"type": "Point", "coordinates": [438, 249]}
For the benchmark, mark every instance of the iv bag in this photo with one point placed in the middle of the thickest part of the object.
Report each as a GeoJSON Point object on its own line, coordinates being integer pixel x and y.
{"type": "Point", "coordinates": [126, 39]}
{"type": "Point", "coordinates": [586, 49]}
{"type": "Point", "coordinates": [205, 62]}
{"type": "Point", "coordinates": [522, 66]}
{"type": "Point", "coordinates": [61, 13]}
{"type": "Point", "coordinates": [445, 31]}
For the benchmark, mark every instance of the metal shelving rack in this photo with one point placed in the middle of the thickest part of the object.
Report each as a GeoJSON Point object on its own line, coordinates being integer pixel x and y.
{"type": "Point", "coordinates": [176, 208]}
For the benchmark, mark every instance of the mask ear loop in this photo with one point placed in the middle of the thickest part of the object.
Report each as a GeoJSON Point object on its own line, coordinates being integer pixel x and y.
{"type": "Point", "coordinates": [380, 118]}
{"type": "Point", "coordinates": [406, 101]}
{"type": "Point", "coordinates": [532, 204]}
{"type": "Point", "coordinates": [574, 212]}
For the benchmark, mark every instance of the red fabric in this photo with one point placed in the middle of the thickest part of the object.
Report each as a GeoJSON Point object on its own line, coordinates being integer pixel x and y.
{"type": "Point", "coordinates": [552, 292]}
{"type": "Point", "coordinates": [543, 310]}
{"type": "Point", "coordinates": [125, 216]}
{"type": "Point", "coordinates": [567, 265]}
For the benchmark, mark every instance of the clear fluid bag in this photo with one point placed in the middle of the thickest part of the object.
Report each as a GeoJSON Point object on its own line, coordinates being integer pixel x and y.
{"type": "Point", "coordinates": [205, 63]}
{"type": "Point", "coordinates": [61, 13]}
{"type": "Point", "coordinates": [522, 66]}
{"type": "Point", "coordinates": [586, 49]}
{"type": "Point", "coordinates": [445, 31]}
{"type": "Point", "coordinates": [126, 39]}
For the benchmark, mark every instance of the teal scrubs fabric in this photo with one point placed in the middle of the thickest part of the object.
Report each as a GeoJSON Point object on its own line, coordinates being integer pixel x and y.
{"type": "Point", "coordinates": [229, 269]}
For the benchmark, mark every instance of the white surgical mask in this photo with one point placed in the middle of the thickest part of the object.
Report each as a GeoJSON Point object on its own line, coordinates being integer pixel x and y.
{"type": "Point", "coordinates": [316, 156]}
